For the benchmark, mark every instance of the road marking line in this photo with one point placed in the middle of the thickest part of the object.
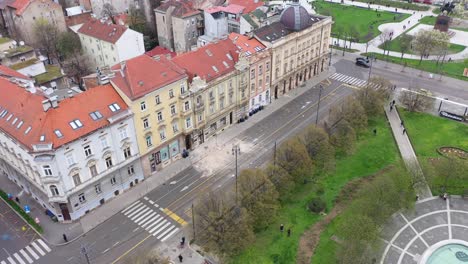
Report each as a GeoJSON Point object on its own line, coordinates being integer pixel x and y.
{"type": "Point", "coordinates": [26, 256]}
{"type": "Point", "coordinates": [146, 219]}
{"type": "Point", "coordinates": [165, 232]}
{"type": "Point", "coordinates": [130, 250]}
{"type": "Point", "coordinates": [143, 216]}
{"type": "Point", "coordinates": [3, 262]}
{"type": "Point", "coordinates": [169, 235]}
{"type": "Point", "coordinates": [116, 243]}
{"type": "Point", "coordinates": [177, 218]}
{"type": "Point", "coordinates": [134, 208]}
{"type": "Point", "coordinates": [32, 252]}
{"type": "Point", "coordinates": [20, 260]}
{"type": "Point", "coordinates": [157, 226]}
{"type": "Point", "coordinates": [43, 245]}
{"type": "Point", "coordinates": [152, 219]}
{"type": "Point", "coordinates": [114, 229]}
{"type": "Point", "coordinates": [151, 202]}
{"type": "Point", "coordinates": [333, 75]}
{"type": "Point", "coordinates": [136, 229]}
{"type": "Point", "coordinates": [162, 228]}
{"type": "Point", "coordinates": [140, 214]}
{"type": "Point", "coordinates": [157, 205]}
{"type": "Point", "coordinates": [130, 206]}
{"type": "Point", "coordinates": [11, 260]}
{"type": "Point", "coordinates": [146, 198]}
{"type": "Point", "coordinates": [157, 221]}
{"type": "Point", "coordinates": [38, 249]}
{"type": "Point", "coordinates": [137, 211]}
{"type": "Point", "coordinates": [105, 250]}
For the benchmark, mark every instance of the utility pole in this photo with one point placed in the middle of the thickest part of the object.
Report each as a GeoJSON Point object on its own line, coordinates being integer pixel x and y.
{"type": "Point", "coordinates": [236, 151]}
{"type": "Point", "coordinates": [318, 105]}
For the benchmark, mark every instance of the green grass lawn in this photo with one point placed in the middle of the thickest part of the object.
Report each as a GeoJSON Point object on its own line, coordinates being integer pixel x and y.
{"type": "Point", "coordinates": [372, 154]}
{"type": "Point", "coordinates": [53, 72]}
{"type": "Point", "coordinates": [428, 133]}
{"type": "Point", "coordinates": [452, 69]}
{"type": "Point", "coordinates": [395, 46]}
{"type": "Point", "coordinates": [365, 21]}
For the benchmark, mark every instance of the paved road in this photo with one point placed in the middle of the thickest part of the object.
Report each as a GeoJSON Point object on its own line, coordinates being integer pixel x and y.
{"type": "Point", "coordinates": [144, 224]}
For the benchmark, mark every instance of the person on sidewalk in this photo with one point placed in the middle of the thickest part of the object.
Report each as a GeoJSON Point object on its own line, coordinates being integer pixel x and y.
{"type": "Point", "coordinates": [65, 238]}
{"type": "Point", "coordinates": [181, 259]}
{"type": "Point", "coordinates": [404, 131]}
{"type": "Point", "coordinates": [375, 131]}
{"type": "Point", "coordinates": [289, 232]}
{"type": "Point", "coordinates": [402, 123]}
{"type": "Point", "coordinates": [281, 228]}
{"type": "Point", "coordinates": [391, 108]}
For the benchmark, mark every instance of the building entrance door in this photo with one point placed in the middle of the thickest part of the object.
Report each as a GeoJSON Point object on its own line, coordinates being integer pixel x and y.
{"type": "Point", "coordinates": [65, 212]}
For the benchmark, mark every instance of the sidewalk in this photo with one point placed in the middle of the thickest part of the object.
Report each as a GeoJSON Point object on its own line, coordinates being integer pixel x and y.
{"type": "Point", "coordinates": [220, 144]}
{"type": "Point", "coordinates": [407, 153]}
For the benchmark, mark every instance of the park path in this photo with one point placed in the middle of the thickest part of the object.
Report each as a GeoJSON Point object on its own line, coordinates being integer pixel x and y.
{"type": "Point", "coordinates": [407, 153]}
{"type": "Point", "coordinates": [396, 28]}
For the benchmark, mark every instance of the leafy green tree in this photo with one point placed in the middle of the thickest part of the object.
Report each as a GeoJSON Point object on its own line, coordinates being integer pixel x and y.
{"type": "Point", "coordinates": [355, 114]}
{"type": "Point", "coordinates": [405, 44]}
{"type": "Point", "coordinates": [353, 34]}
{"type": "Point", "coordinates": [318, 147]}
{"type": "Point", "coordinates": [74, 62]}
{"type": "Point", "coordinates": [259, 196]}
{"type": "Point", "coordinates": [68, 44]}
{"type": "Point", "coordinates": [426, 41]}
{"type": "Point", "coordinates": [292, 156]}
{"type": "Point", "coordinates": [283, 182]}
{"type": "Point", "coordinates": [136, 19]}
{"type": "Point", "coordinates": [222, 227]}
{"type": "Point", "coordinates": [372, 100]}
{"type": "Point", "coordinates": [46, 37]}
{"type": "Point", "coordinates": [343, 137]}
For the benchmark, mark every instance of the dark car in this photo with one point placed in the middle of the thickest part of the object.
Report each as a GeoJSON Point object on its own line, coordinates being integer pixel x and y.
{"type": "Point", "coordinates": [362, 59]}
{"type": "Point", "coordinates": [362, 63]}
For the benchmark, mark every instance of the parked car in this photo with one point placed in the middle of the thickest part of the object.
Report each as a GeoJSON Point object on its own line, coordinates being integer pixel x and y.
{"type": "Point", "coordinates": [362, 59]}
{"type": "Point", "coordinates": [362, 64]}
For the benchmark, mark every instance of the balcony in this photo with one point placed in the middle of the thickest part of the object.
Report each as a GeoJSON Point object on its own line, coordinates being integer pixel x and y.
{"type": "Point", "coordinates": [184, 95]}
{"type": "Point", "coordinates": [58, 199]}
{"type": "Point", "coordinates": [50, 179]}
{"type": "Point", "coordinates": [199, 107]}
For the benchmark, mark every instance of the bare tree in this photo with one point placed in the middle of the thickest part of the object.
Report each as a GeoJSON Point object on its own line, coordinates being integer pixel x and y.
{"type": "Point", "coordinates": [405, 44]}
{"type": "Point", "coordinates": [385, 38]}
{"type": "Point", "coordinates": [47, 36]}
{"type": "Point", "coordinates": [108, 11]}
{"type": "Point", "coordinates": [415, 101]}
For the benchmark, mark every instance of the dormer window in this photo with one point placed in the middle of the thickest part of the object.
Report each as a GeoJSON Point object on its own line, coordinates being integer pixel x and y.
{"type": "Point", "coordinates": [42, 138]}
{"type": "Point", "coordinates": [19, 124]}
{"type": "Point", "coordinates": [75, 124]}
{"type": "Point", "coordinates": [9, 117]}
{"type": "Point", "coordinates": [215, 69]}
{"type": "Point", "coordinates": [114, 107]}
{"type": "Point", "coordinates": [3, 113]}
{"type": "Point", "coordinates": [58, 133]}
{"type": "Point", "coordinates": [96, 115]}
{"type": "Point", "coordinates": [14, 121]}
{"type": "Point", "coordinates": [27, 130]}
{"type": "Point", "coordinates": [229, 56]}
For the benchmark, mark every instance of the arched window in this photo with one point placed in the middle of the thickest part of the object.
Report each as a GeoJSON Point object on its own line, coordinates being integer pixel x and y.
{"type": "Point", "coordinates": [54, 190]}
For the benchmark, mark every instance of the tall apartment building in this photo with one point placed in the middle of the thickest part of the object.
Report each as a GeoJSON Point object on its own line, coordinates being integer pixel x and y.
{"type": "Point", "coordinates": [298, 44]}
{"type": "Point", "coordinates": [71, 156]}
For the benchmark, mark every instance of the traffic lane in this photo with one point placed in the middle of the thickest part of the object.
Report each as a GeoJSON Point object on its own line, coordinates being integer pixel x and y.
{"type": "Point", "coordinates": [350, 68]}
{"type": "Point", "coordinates": [15, 234]}
{"type": "Point", "coordinates": [263, 152]}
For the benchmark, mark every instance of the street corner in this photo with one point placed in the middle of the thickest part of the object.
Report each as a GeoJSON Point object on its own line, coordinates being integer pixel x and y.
{"type": "Point", "coordinates": [179, 250]}
{"type": "Point", "coordinates": [13, 227]}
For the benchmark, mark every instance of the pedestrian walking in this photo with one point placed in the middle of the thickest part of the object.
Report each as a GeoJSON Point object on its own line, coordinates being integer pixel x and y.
{"type": "Point", "coordinates": [402, 123]}
{"type": "Point", "coordinates": [404, 131]}
{"type": "Point", "coordinates": [409, 21]}
{"type": "Point", "coordinates": [281, 228]}
{"type": "Point", "coordinates": [289, 232]}
{"type": "Point", "coordinates": [417, 197]}
{"type": "Point", "coordinates": [394, 87]}
{"type": "Point", "coordinates": [17, 199]}
{"type": "Point", "coordinates": [182, 241]}
{"type": "Point", "coordinates": [393, 102]}
{"type": "Point", "coordinates": [180, 258]}
{"type": "Point", "coordinates": [65, 238]}
{"type": "Point", "coordinates": [375, 131]}
{"type": "Point", "coordinates": [391, 108]}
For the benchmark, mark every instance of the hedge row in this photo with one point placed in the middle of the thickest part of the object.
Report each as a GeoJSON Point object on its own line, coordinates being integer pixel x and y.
{"type": "Point", "coordinates": [20, 210]}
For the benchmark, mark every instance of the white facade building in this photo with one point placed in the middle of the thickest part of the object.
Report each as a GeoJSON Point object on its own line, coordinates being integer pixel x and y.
{"type": "Point", "coordinates": [107, 44]}
{"type": "Point", "coordinates": [71, 156]}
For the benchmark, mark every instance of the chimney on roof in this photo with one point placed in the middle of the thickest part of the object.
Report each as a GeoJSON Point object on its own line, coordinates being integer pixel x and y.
{"type": "Point", "coordinates": [54, 101]}
{"type": "Point", "coordinates": [70, 94]}
{"type": "Point", "coordinates": [32, 88]}
{"type": "Point", "coordinates": [46, 105]}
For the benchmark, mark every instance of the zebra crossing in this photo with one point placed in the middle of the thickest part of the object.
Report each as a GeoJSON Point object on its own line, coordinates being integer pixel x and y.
{"type": "Point", "coordinates": [146, 216]}
{"type": "Point", "coordinates": [352, 80]}
{"type": "Point", "coordinates": [29, 254]}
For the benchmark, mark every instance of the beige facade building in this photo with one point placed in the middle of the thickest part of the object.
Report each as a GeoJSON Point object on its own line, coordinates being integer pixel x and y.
{"type": "Point", "coordinates": [178, 24]}
{"type": "Point", "coordinates": [298, 44]}
{"type": "Point", "coordinates": [217, 88]}
{"type": "Point", "coordinates": [20, 16]}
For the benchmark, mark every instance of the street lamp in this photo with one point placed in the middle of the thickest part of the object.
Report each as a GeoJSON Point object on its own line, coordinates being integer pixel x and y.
{"type": "Point", "coordinates": [318, 105]}
{"type": "Point", "coordinates": [235, 152]}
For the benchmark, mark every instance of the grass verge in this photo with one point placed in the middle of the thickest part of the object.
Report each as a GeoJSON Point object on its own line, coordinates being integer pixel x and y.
{"type": "Point", "coordinates": [20, 210]}
{"type": "Point", "coordinates": [372, 154]}
{"type": "Point", "coordinates": [395, 46]}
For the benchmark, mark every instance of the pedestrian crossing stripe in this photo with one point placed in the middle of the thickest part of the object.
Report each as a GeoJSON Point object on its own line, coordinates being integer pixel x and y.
{"type": "Point", "coordinates": [150, 219]}
{"type": "Point", "coordinates": [28, 254]}
{"type": "Point", "coordinates": [353, 81]}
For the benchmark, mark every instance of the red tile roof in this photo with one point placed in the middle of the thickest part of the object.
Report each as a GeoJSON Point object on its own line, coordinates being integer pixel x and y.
{"type": "Point", "coordinates": [250, 5]}
{"type": "Point", "coordinates": [182, 8]}
{"type": "Point", "coordinates": [210, 61]}
{"type": "Point", "coordinates": [104, 31]}
{"type": "Point", "coordinates": [232, 9]}
{"type": "Point", "coordinates": [4, 70]}
{"type": "Point", "coordinates": [21, 5]}
{"type": "Point", "coordinates": [27, 107]}
{"type": "Point", "coordinates": [143, 74]}
{"type": "Point", "coordinates": [158, 50]}
{"type": "Point", "coordinates": [246, 44]}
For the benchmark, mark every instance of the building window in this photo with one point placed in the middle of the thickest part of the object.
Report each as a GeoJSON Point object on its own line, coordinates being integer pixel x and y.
{"type": "Point", "coordinates": [285, 69]}
{"type": "Point", "coordinates": [143, 106]}
{"type": "Point", "coordinates": [252, 87]}
{"type": "Point", "coordinates": [212, 108]}
{"type": "Point", "coordinates": [54, 190]}
{"type": "Point", "coordinates": [267, 80]}
{"type": "Point", "coordinates": [112, 181]}
{"type": "Point", "coordinates": [145, 123]}
{"type": "Point", "coordinates": [260, 83]}
{"type": "Point", "coordinates": [175, 127]}
{"type": "Point", "coordinates": [252, 74]}
{"type": "Point", "coordinates": [260, 70]}
{"type": "Point", "coordinates": [97, 188]}
{"type": "Point", "coordinates": [82, 198]}
{"type": "Point", "coordinates": [104, 142]}
{"type": "Point", "coordinates": [149, 141]}
{"type": "Point", "coordinates": [188, 122]}
{"type": "Point", "coordinates": [187, 106]}
{"type": "Point", "coordinates": [157, 99]}
{"type": "Point", "coordinates": [173, 110]}
{"type": "Point", "coordinates": [182, 88]}
{"type": "Point", "coordinates": [171, 93]}
{"type": "Point", "coordinates": [76, 179]}
{"type": "Point", "coordinates": [75, 124]}
{"type": "Point", "coordinates": [109, 162]}
{"type": "Point", "coordinates": [267, 67]}
{"type": "Point", "coordinates": [123, 133]}
{"type": "Point", "coordinates": [200, 118]}
{"type": "Point", "coordinates": [130, 170]}
{"type": "Point", "coordinates": [87, 151]}
{"type": "Point", "coordinates": [221, 103]}
{"type": "Point", "coordinates": [70, 160]}
{"type": "Point", "coordinates": [93, 170]}
{"type": "Point", "coordinates": [160, 116]}
{"type": "Point", "coordinates": [162, 134]}
{"type": "Point", "coordinates": [114, 107]}
{"type": "Point", "coordinates": [253, 101]}
{"type": "Point", "coordinates": [47, 170]}
{"type": "Point", "coordinates": [127, 152]}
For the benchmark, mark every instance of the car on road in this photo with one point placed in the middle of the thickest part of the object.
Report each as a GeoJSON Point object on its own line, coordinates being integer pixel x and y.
{"type": "Point", "coordinates": [362, 63]}
{"type": "Point", "coordinates": [362, 59]}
